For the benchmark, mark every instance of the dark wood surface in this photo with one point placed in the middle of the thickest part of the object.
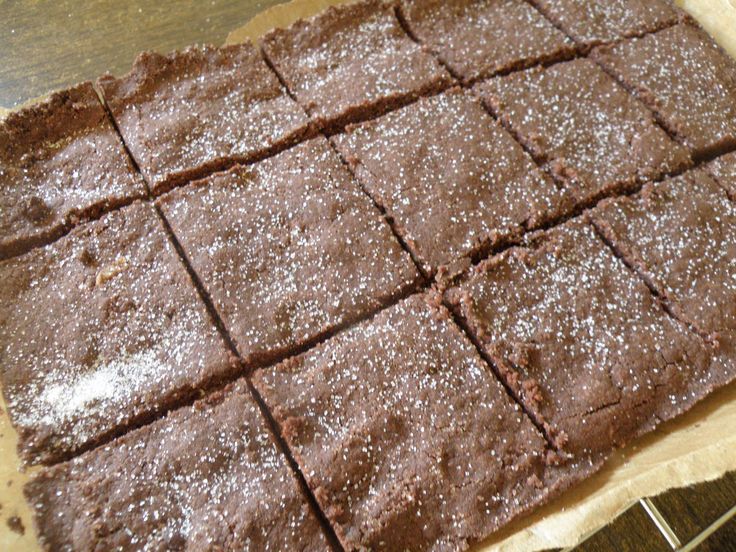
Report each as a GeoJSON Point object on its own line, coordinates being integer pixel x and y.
{"type": "Point", "coordinates": [688, 512]}
{"type": "Point", "coordinates": [48, 45]}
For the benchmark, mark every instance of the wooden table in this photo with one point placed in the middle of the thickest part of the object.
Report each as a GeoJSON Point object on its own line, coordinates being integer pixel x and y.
{"type": "Point", "coordinates": [47, 45]}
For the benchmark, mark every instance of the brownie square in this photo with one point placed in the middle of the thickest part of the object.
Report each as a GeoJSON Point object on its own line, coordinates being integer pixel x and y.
{"type": "Point", "coordinates": [680, 235]}
{"type": "Point", "coordinates": [352, 62]}
{"type": "Point", "coordinates": [686, 79]}
{"type": "Point", "coordinates": [206, 477]}
{"type": "Point", "coordinates": [202, 109]}
{"type": "Point", "coordinates": [101, 330]}
{"type": "Point", "coordinates": [723, 171]}
{"type": "Point", "coordinates": [61, 162]}
{"type": "Point", "coordinates": [453, 181]}
{"type": "Point", "coordinates": [592, 22]}
{"type": "Point", "coordinates": [289, 249]}
{"type": "Point", "coordinates": [406, 439]}
{"type": "Point", "coordinates": [584, 128]}
{"type": "Point", "coordinates": [480, 38]}
{"type": "Point", "coordinates": [581, 341]}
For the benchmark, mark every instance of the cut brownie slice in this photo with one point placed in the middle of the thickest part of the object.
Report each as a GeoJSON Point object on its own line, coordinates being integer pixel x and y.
{"type": "Point", "coordinates": [581, 340]}
{"type": "Point", "coordinates": [586, 129]}
{"type": "Point", "coordinates": [352, 62]}
{"type": "Point", "coordinates": [206, 477]}
{"type": "Point", "coordinates": [592, 22]}
{"type": "Point", "coordinates": [452, 179]}
{"type": "Point", "coordinates": [123, 335]}
{"type": "Point", "coordinates": [723, 170]}
{"type": "Point", "coordinates": [199, 110]}
{"type": "Point", "coordinates": [406, 439]}
{"type": "Point", "coordinates": [289, 249]}
{"type": "Point", "coordinates": [686, 79]}
{"type": "Point", "coordinates": [61, 162]}
{"type": "Point", "coordinates": [479, 38]}
{"type": "Point", "coordinates": [680, 234]}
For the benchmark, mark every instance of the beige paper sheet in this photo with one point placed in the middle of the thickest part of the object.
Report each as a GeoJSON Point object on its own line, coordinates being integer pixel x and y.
{"type": "Point", "coordinates": [698, 446]}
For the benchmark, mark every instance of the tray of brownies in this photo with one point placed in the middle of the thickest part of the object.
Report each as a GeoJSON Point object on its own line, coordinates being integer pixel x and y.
{"type": "Point", "coordinates": [388, 278]}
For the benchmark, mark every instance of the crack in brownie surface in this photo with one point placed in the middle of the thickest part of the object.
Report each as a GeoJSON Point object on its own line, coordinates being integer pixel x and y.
{"type": "Point", "coordinates": [723, 171]}
{"type": "Point", "coordinates": [206, 477]}
{"type": "Point", "coordinates": [61, 162]}
{"type": "Point", "coordinates": [122, 334]}
{"type": "Point", "coordinates": [581, 340]}
{"type": "Point", "coordinates": [452, 179]}
{"type": "Point", "coordinates": [681, 235]}
{"type": "Point", "coordinates": [592, 22]}
{"type": "Point", "coordinates": [478, 38]}
{"type": "Point", "coordinates": [684, 77]}
{"type": "Point", "coordinates": [352, 62]}
{"type": "Point", "coordinates": [406, 439]}
{"type": "Point", "coordinates": [289, 249]}
{"type": "Point", "coordinates": [200, 110]}
{"type": "Point", "coordinates": [576, 121]}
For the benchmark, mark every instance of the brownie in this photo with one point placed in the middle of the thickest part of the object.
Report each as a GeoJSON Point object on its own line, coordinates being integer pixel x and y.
{"type": "Point", "coordinates": [404, 436]}
{"type": "Point", "coordinates": [723, 171]}
{"type": "Point", "coordinates": [101, 330]}
{"type": "Point", "coordinates": [480, 38]}
{"type": "Point", "coordinates": [581, 341]}
{"type": "Point", "coordinates": [352, 62]}
{"type": "Point", "coordinates": [591, 22]}
{"type": "Point", "coordinates": [201, 109]}
{"type": "Point", "coordinates": [206, 477]}
{"type": "Point", "coordinates": [61, 162]}
{"type": "Point", "coordinates": [453, 181]}
{"type": "Point", "coordinates": [289, 249]}
{"type": "Point", "coordinates": [680, 235]}
{"type": "Point", "coordinates": [584, 128]}
{"type": "Point", "coordinates": [686, 79]}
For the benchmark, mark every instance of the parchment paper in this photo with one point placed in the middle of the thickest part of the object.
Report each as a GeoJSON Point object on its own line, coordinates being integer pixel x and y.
{"type": "Point", "coordinates": [699, 446]}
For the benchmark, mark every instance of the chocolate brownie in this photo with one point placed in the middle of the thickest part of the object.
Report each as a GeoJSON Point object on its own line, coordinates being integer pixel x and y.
{"type": "Point", "coordinates": [61, 162]}
{"type": "Point", "coordinates": [404, 436]}
{"type": "Point", "coordinates": [206, 477]}
{"type": "Point", "coordinates": [199, 110]}
{"type": "Point", "coordinates": [352, 62]}
{"type": "Point", "coordinates": [479, 38]}
{"type": "Point", "coordinates": [592, 22]}
{"type": "Point", "coordinates": [680, 235]}
{"type": "Point", "coordinates": [723, 170]}
{"type": "Point", "coordinates": [686, 79]}
{"type": "Point", "coordinates": [101, 330]}
{"type": "Point", "coordinates": [289, 249]}
{"type": "Point", "coordinates": [455, 183]}
{"type": "Point", "coordinates": [583, 127]}
{"type": "Point", "coordinates": [581, 341]}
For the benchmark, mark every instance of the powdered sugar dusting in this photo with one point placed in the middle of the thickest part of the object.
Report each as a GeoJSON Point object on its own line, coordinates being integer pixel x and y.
{"type": "Point", "coordinates": [106, 351]}
{"type": "Point", "coordinates": [682, 74]}
{"type": "Point", "coordinates": [201, 107]}
{"type": "Point", "coordinates": [566, 314]}
{"type": "Point", "coordinates": [405, 432]}
{"type": "Point", "coordinates": [588, 131]}
{"type": "Point", "coordinates": [60, 161]}
{"type": "Point", "coordinates": [479, 38]}
{"type": "Point", "coordinates": [202, 478]}
{"type": "Point", "coordinates": [596, 21]}
{"type": "Point", "coordinates": [351, 57]}
{"type": "Point", "coordinates": [681, 234]}
{"type": "Point", "coordinates": [288, 249]}
{"type": "Point", "coordinates": [451, 178]}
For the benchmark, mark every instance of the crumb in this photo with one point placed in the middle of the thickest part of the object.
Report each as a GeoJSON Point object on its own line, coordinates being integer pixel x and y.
{"type": "Point", "coordinates": [16, 525]}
